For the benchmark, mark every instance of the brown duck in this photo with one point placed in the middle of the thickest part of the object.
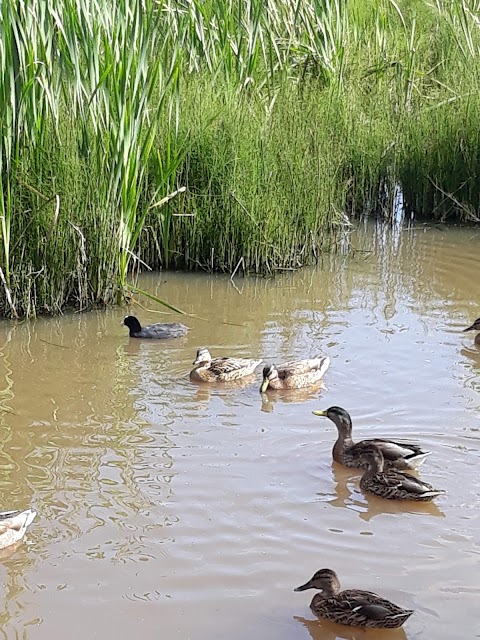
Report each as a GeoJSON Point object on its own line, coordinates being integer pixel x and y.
{"type": "Point", "coordinates": [397, 454]}
{"type": "Point", "coordinates": [391, 483]}
{"type": "Point", "coordinates": [353, 607]}
{"type": "Point", "coordinates": [208, 369]}
{"type": "Point", "coordinates": [475, 327]}
{"type": "Point", "coordinates": [294, 375]}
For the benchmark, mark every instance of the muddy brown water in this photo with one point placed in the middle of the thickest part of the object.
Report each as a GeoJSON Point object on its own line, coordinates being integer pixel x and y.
{"type": "Point", "coordinates": [173, 510]}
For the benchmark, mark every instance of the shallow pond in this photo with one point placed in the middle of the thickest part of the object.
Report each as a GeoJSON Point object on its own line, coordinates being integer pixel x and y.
{"type": "Point", "coordinates": [173, 510]}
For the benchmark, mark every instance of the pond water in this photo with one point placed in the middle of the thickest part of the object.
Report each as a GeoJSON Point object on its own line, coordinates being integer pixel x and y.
{"type": "Point", "coordinates": [173, 510]}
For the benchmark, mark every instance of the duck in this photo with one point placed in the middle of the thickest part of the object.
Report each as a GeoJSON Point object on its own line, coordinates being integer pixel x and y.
{"type": "Point", "coordinates": [13, 525]}
{"type": "Point", "coordinates": [158, 331]}
{"type": "Point", "coordinates": [396, 454]}
{"type": "Point", "coordinates": [353, 607]}
{"type": "Point", "coordinates": [294, 375]}
{"type": "Point", "coordinates": [475, 327]}
{"type": "Point", "coordinates": [393, 484]}
{"type": "Point", "coordinates": [208, 369]}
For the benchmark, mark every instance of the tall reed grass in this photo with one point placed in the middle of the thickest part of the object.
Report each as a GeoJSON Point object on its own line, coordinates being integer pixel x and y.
{"type": "Point", "coordinates": [221, 134]}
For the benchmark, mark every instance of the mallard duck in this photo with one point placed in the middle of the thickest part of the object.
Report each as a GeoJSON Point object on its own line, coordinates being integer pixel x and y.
{"type": "Point", "coordinates": [475, 327]}
{"type": "Point", "coordinates": [13, 525]}
{"type": "Point", "coordinates": [391, 483]}
{"type": "Point", "coordinates": [354, 608]}
{"type": "Point", "coordinates": [158, 331]}
{"type": "Point", "coordinates": [208, 369]}
{"type": "Point", "coordinates": [294, 375]}
{"type": "Point", "coordinates": [397, 454]}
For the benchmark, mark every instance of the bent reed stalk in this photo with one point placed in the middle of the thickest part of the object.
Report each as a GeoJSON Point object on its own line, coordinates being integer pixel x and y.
{"type": "Point", "coordinates": [212, 133]}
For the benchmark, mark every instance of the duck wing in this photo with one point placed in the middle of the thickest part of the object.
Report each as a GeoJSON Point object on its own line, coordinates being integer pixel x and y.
{"type": "Point", "coordinates": [299, 367]}
{"type": "Point", "coordinates": [164, 330]}
{"type": "Point", "coordinates": [8, 514]}
{"type": "Point", "coordinates": [220, 366]}
{"type": "Point", "coordinates": [15, 520]}
{"type": "Point", "coordinates": [393, 450]}
{"type": "Point", "coordinates": [404, 482]}
{"type": "Point", "coordinates": [368, 605]}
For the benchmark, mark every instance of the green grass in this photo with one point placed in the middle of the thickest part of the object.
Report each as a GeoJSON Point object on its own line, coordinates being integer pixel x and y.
{"type": "Point", "coordinates": [222, 135]}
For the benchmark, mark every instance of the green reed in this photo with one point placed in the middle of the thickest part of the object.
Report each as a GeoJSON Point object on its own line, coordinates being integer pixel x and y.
{"type": "Point", "coordinates": [219, 134]}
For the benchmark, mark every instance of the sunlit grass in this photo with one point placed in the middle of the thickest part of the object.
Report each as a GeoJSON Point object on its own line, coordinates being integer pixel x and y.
{"type": "Point", "coordinates": [221, 134]}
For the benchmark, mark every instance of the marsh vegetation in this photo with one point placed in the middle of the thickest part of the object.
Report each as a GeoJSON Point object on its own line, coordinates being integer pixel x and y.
{"type": "Point", "coordinates": [221, 134]}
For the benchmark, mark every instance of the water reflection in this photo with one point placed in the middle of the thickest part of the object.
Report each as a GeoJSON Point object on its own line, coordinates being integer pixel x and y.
{"type": "Point", "coordinates": [325, 630]}
{"type": "Point", "coordinates": [347, 494]}
{"type": "Point", "coordinates": [270, 397]}
{"type": "Point", "coordinates": [473, 354]}
{"type": "Point", "coordinates": [155, 491]}
{"type": "Point", "coordinates": [345, 480]}
{"type": "Point", "coordinates": [241, 383]}
{"type": "Point", "coordinates": [375, 506]}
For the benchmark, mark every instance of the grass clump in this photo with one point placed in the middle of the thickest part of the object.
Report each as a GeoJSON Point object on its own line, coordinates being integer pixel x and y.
{"type": "Point", "coordinates": [221, 135]}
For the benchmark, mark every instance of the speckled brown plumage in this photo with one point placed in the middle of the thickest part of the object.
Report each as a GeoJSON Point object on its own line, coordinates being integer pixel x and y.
{"type": "Point", "coordinates": [208, 369]}
{"type": "Point", "coordinates": [294, 375]}
{"type": "Point", "coordinates": [391, 483]}
{"type": "Point", "coordinates": [353, 607]}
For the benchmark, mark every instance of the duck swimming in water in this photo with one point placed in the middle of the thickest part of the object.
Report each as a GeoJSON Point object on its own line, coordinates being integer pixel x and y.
{"type": "Point", "coordinates": [13, 525]}
{"type": "Point", "coordinates": [396, 454]}
{"type": "Point", "coordinates": [208, 369]}
{"type": "Point", "coordinates": [353, 607]}
{"type": "Point", "coordinates": [158, 331]}
{"type": "Point", "coordinates": [294, 375]}
{"type": "Point", "coordinates": [391, 483]}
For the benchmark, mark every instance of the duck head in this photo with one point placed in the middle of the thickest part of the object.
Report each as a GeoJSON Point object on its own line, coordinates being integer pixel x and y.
{"type": "Point", "coordinates": [203, 356]}
{"type": "Point", "coordinates": [324, 580]}
{"type": "Point", "coordinates": [474, 327]}
{"type": "Point", "coordinates": [269, 373]}
{"type": "Point", "coordinates": [132, 323]}
{"type": "Point", "coordinates": [340, 417]}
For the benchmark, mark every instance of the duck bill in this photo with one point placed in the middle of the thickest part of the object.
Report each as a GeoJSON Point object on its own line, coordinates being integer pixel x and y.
{"type": "Point", "coordinates": [470, 328]}
{"type": "Point", "coordinates": [320, 413]}
{"type": "Point", "coordinates": [304, 587]}
{"type": "Point", "coordinates": [264, 386]}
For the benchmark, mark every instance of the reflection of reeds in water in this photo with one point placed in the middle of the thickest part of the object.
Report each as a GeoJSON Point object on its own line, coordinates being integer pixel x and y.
{"type": "Point", "coordinates": [105, 493]}
{"type": "Point", "coordinates": [17, 563]}
{"type": "Point", "coordinates": [8, 466]}
{"type": "Point", "coordinates": [6, 393]}
{"type": "Point", "coordinates": [325, 630]}
{"type": "Point", "coordinates": [16, 492]}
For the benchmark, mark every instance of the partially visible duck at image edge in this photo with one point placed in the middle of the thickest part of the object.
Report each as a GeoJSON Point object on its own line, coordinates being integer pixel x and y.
{"type": "Point", "coordinates": [475, 327]}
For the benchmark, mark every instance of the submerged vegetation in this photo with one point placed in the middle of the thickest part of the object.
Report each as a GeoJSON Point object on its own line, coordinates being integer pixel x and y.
{"type": "Point", "coordinates": [222, 134]}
